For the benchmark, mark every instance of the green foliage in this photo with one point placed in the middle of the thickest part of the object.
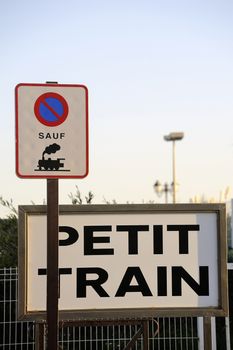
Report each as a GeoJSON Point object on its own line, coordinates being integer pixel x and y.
{"type": "Point", "coordinates": [9, 204]}
{"type": "Point", "coordinates": [8, 241]}
{"type": "Point", "coordinates": [76, 198]}
{"type": "Point", "coordinates": [230, 255]}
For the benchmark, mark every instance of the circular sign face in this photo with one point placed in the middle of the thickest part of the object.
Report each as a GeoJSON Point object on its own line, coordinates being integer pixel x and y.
{"type": "Point", "coordinates": [51, 109]}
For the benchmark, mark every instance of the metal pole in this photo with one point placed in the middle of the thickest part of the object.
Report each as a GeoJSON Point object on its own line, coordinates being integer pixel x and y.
{"type": "Point", "coordinates": [200, 332]}
{"type": "Point", "coordinates": [133, 341]}
{"type": "Point", "coordinates": [174, 170]}
{"type": "Point", "coordinates": [207, 333]}
{"type": "Point", "coordinates": [52, 263]}
{"type": "Point", "coordinates": [166, 192]}
{"type": "Point", "coordinates": [166, 197]}
{"type": "Point", "coordinates": [145, 335]}
{"type": "Point", "coordinates": [39, 336]}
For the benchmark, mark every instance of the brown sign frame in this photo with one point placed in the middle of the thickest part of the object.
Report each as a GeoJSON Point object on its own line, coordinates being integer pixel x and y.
{"type": "Point", "coordinates": [221, 310]}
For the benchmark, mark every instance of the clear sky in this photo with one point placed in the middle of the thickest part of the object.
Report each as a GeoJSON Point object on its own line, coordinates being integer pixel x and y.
{"type": "Point", "coordinates": [151, 67]}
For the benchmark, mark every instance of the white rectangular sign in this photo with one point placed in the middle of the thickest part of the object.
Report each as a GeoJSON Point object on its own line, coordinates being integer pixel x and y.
{"type": "Point", "coordinates": [51, 130]}
{"type": "Point", "coordinates": [136, 260]}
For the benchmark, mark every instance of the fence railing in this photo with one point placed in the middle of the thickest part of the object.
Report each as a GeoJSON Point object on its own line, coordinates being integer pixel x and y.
{"type": "Point", "coordinates": [174, 333]}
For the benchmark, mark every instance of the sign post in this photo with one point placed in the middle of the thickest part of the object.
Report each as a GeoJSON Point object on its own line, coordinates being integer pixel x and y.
{"type": "Point", "coordinates": [51, 118]}
{"type": "Point", "coordinates": [207, 333]}
{"type": "Point", "coordinates": [52, 263]}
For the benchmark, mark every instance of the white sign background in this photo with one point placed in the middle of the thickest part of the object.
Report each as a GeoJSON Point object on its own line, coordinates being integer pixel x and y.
{"type": "Point", "coordinates": [202, 252]}
{"type": "Point", "coordinates": [74, 145]}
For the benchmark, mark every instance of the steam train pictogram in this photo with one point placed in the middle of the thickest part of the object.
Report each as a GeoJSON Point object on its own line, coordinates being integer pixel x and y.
{"type": "Point", "coordinates": [50, 164]}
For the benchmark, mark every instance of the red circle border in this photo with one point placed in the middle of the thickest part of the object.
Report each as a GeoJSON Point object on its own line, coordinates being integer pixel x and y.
{"type": "Point", "coordinates": [54, 95]}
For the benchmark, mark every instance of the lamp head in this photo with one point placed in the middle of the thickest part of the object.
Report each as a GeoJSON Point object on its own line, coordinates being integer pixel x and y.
{"type": "Point", "coordinates": [174, 136]}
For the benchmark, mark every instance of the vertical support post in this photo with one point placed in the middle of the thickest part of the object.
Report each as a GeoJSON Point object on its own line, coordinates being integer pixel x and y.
{"type": "Point", "coordinates": [174, 169]}
{"type": "Point", "coordinates": [145, 335]}
{"type": "Point", "coordinates": [166, 190]}
{"type": "Point", "coordinates": [39, 336]}
{"type": "Point", "coordinates": [52, 263]}
{"type": "Point", "coordinates": [200, 332]}
{"type": "Point", "coordinates": [207, 333]}
{"type": "Point", "coordinates": [228, 334]}
{"type": "Point", "coordinates": [213, 333]}
{"type": "Point", "coordinates": [231, 232]}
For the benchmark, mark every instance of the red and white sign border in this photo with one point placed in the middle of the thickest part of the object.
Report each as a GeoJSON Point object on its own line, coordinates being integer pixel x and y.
{"type": "Point", "coordinates": [17, 130]}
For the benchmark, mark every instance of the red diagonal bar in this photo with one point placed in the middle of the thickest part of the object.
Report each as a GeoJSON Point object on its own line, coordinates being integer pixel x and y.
{"type": "Point", "coordinates": [51, 110]}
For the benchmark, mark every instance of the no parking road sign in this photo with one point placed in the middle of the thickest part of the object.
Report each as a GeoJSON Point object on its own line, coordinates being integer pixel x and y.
{"type": "Point", "coordinates": [51, 109]}
{"type": "Point", "coordinates": [51, 130]}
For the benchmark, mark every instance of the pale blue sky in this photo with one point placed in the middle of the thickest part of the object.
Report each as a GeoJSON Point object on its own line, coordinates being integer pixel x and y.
{"type": "Point", "coordinates": [151, 67]}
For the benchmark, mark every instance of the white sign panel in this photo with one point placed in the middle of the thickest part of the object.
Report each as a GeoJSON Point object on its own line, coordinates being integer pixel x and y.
{"type": "Point", "coordinates": [133, 258]}
{"type": "Point", "coordinates": [51, 131]}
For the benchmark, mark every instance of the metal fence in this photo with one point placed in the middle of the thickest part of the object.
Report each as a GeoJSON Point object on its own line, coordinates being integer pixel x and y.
{"type": "Point", "coordinates": [173, 334]}
{"type": "Point", "coordinates": [13, 334]}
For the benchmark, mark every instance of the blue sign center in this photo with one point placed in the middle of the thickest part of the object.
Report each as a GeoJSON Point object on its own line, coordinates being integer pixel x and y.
{"type": "Point", "coordinates": [51, 109]}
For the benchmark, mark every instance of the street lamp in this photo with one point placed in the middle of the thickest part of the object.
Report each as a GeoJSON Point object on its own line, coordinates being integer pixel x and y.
{"type": "Point", "coordinates": [174, 136]}
{"type": "Point", "coordinates": [160, 189]}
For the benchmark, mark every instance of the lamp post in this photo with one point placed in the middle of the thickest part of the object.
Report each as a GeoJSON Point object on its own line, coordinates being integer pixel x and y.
{"type": "Point", "coordinates": [174, 136]}
{"type": "Point", "coordinates": [160, 189]}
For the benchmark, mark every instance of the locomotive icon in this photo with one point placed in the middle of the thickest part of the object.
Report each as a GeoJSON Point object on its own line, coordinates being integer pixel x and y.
{"type": "Point", "coordinates": [49, 164]}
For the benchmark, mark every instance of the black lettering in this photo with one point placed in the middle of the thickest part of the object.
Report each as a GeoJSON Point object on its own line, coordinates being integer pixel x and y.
{"type": "Point", "coordinates": [90, 239]}
{"type": "Point", "coordinates": [179, 273]}
{"type": "Point", "coordinates": [133, 235]}
{"type": "Point", "coordinates": [54, 135]}
{"type": "Point", "coordinates": [65, 271]}
{"type": "Point", "coordinates": [125, 287]}
{"type": "Point", "coordinates": [72, 235]}
{"type": "Point", "coordinates": [183, 235]}
{"type": "Point", "coordinates": [158, 239]}
{"type": "Point", "coordinates": [83, 282]}
{"type": "Point", "coordinates": [61, 271]}
{"type": "Point", "coordinates": [162, 280]}
{"type": "Point", "coordinates": [48, 136]}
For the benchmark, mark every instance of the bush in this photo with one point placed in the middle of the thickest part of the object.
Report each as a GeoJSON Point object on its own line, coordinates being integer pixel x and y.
{"type": "Point", "coordinates": [8, 241]}
{"type": "Point", "coordinates": [230, 255]}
